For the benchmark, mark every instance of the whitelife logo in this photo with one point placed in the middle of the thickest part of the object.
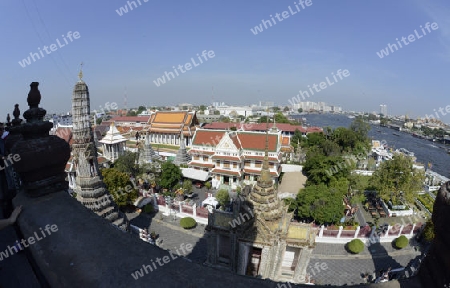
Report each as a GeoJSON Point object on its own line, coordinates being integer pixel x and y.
{"type": "Point", "coordinates": [323, 85]}
{"type": "Point", "coordinates": [411, 38]}
{"type": "Point", "coordinates": [35, 56]}
{"type": "Point", "coordinates": [284, 14]}
{"type": "Point", "coordinates": [186, 66]}
{"type": "Point", "coordinates": [124, 9]}
{"type": "Point", "coordinates": [31, 240]}
{"type": "Point", "coordinates": [185, 248]}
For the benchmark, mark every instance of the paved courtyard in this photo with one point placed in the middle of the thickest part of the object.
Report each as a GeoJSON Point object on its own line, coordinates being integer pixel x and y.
{"type": "Point", "coordinates": [342, 268]}
{"type": "Point", "coordinates": [292, 182]}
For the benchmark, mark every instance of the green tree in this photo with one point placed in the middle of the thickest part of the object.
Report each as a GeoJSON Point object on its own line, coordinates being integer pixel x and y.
{"type": "Point", "coordinates": [208, 185]}
{"type": "Point", "coordinates": [361, 127]}
{"type": "Point", "coordinates": [286, 109]}
{"type": "Point", "coordinates": [170, 175]}
{"type": "Point", "coordinates": [263, 119]}
{"type": "Point", "coordinates": [280, 118]}
{"type": "Point", "coordinates": [428, 231]}
{"type": "Point", "coordinates": [397, 179]}
{"type": "Point", "coordinates": [187, 186]}
{"type": "Point", "coordinates": [141, 109]}
{"type": "Point", "coordinates": [223, 197]}
{"type": "Point", "coordinates": [98, 121]}
{"type": "Point", "coordinates": [275, 109]}
{"type": "Point", "coordinates": [120, 186]}
{"type": "Point", "coordinates": [202, 108]}
{"type": "Point", "coordinates": [300, 110]}
{"type": "Point", "coordinates": [319, 203]}
{"type": "Point", "coordinates": [127, 163]}
{"type": "Point", "coordinates": [131, 113]}
{"type": "Point", "coordinates": [296, 138]}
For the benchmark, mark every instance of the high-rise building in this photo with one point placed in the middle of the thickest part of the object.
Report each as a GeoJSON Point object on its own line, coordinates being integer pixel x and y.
{"type": "Point", "coordinates": [90, 189]}
{"type": "Point", "coordinates": [383, 109]}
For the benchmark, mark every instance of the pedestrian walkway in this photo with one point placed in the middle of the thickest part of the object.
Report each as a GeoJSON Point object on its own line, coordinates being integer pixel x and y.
{"type": "Point", "coordinates": [172, 235]}
{"type": "Point", "coordinates": [346, 269]}
{"type": "Point", "coordinates": [342, 268]}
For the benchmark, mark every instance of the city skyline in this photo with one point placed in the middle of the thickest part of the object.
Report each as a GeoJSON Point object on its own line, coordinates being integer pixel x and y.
{"type": "Point", "coordinates": [151, 38]}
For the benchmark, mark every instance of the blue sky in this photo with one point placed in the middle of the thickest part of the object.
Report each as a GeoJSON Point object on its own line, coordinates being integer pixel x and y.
{"type": "Point", "coordinates": [136, 48]}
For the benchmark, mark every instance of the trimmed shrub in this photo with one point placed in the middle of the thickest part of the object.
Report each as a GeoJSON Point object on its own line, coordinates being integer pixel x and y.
{"type": "Point", "coordinates": [401, 242]}
{"type": "Point", "coordinates": [428, 231]}
{"type": "Point", "coordinates": [149, 208]}
{"type": "Point", "coordinates": [188, 222]}
{"type": "Point", "coordinates": [355, 246]}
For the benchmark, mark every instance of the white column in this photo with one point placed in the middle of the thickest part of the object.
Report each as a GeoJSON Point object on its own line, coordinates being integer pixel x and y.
{"type": "Point", "coordinates": [321, 231]}
{"type": "Point", "coordinates": [387, 232]}
{"type": "Point", "coordinates": [400, 232]}
{"type": "Point", "coordinates": [179, 207]}
{"type": "Point", "coordinates": [357, 232]}
{"type": "Point", "coordinates": [194, 210]}
{"type": "Point", "coordinates": [412, 230]}
{"type": "Point", "coordinates": [340, 232]}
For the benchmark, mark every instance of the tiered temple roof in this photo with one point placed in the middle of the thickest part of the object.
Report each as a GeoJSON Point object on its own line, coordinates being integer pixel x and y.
{"type": "Point", "coordinates": [173, 122]}
{"type": "Point", "coordinates": [113, 136]}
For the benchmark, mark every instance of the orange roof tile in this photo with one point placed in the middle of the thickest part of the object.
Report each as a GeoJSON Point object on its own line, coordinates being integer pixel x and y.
{"type": "Point", "coordinates": [228, 158]}
{"type": "Point", "coordinates": [200, 152]}
{"type": "Point", "coordinates": [169, 117]}
{"type": "Point", "coordinates": [258, 172]}
{"type": "Point", "coordinates": [199, 164]}
{"type": "Point", "coordinates": [257, 141]}
{"type": "Point", "coordinates": [207, 137]}
{"type": "Point", "coordinates": [226, 172]}
{"type": "Point", "coordinates": [253, 157]}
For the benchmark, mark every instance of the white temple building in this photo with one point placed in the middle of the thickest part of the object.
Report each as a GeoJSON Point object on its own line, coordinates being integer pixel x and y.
{"type": "Point", "coordinates": [113, 144]}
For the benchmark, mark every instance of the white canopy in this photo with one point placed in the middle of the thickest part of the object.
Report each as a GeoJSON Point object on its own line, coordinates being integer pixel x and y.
{"type": "Point", "coordinates": [210, 201]}
{"type": "Point", "coordinates": [195, 174]}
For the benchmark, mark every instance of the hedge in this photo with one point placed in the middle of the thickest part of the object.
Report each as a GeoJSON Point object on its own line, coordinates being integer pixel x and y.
{"type": "Point", "coordinates": [188, 222]}
{"type": "Point", "coordinates": [401, 242]}
{"type": "Point", "coordinates": [355, 246]}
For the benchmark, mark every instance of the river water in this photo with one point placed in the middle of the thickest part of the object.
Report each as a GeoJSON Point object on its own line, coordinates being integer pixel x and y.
{"type": "Point", "coordinates": [424, 150]}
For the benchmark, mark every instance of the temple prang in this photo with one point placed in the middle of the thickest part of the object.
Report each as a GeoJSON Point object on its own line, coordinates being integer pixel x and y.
{"type": "Point", "coordinates": [90, 189]}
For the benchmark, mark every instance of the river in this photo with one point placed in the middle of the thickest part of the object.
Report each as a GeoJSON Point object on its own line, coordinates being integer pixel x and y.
{"type": "Point", "coordinates": [424, 150]}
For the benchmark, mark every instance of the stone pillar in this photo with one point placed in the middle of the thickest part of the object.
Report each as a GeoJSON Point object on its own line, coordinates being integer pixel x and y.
{"type": "Point", "coordinates": [243, 258]}
{"type": "Point", "coordinates": [194, 210]}
{"type": "Point", "coordinates": [340, 232]}
{"type": "Point", "coordinates": [179, 207]}
{"type": "Point", "coordinates": [357, 232]}
{"type": "Point", "coordinates": [321, 231]}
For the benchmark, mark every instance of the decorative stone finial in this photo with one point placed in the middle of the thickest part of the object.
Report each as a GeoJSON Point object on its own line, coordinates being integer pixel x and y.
{"type": "Point", "coordinates": [34, 96]}
{"type": "Point", "coordinates": [43, 156]}
{"type": "Point", "coordinates": [35, 113]}
{"type": "Point", "coordinates": [8, 120]}
{"type": "Point", "coordinates": [16, 113]}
